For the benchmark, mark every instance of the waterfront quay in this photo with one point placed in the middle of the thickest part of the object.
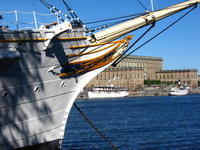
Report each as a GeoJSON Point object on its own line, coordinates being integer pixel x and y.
{"type": "Point", "coordinates": [156, 92]}
{"type": "Point", "coordinates": [148, 91]}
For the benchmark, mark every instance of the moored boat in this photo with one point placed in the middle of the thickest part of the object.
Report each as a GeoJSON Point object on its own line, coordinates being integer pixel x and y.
{"type": "Point", "coordinates": [178, 91]}
{"type": "Point", "coordinates": [107, 92]}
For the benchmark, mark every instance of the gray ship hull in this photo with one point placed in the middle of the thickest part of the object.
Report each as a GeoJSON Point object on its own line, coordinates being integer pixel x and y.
{"type": "Point", "coordinates": [39, 117]}
{"type": "Point", "coordinates": [36, 94]}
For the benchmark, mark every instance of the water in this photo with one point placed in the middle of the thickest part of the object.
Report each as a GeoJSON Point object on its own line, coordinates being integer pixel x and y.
{"type": "Point", "coordinates": [136, 123]}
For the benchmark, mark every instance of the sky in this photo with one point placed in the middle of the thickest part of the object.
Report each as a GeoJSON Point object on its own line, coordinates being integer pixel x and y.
{"type": "Point", "coordinates": [179, 46]}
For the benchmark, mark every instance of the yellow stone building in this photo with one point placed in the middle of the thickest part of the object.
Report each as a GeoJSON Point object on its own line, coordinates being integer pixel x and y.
{"type": "Point", "coordinates": [187, 76]}
{"type": "Point", "coordinates": [133, 70]}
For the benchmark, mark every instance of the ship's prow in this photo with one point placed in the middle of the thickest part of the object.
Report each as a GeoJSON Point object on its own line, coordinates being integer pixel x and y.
{"type": "Point", "coordinates": [42, 72]}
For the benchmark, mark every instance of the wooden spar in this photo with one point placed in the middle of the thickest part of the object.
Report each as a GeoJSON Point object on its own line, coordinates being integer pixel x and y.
{"type": "Point", "coordinates": [117, 31]}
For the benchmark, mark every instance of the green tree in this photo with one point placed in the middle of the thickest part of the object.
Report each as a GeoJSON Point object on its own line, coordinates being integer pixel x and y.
{"type": "Point", "coordinates": [176, 82]}
{"type": "Point", "coordinates": [145, 82]}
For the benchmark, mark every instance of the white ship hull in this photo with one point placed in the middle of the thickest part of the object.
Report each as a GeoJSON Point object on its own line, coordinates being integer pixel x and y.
{"type": "Point", "coordinates": [178, 92]}
{"type": "Point", "coordinates": [99, 94]}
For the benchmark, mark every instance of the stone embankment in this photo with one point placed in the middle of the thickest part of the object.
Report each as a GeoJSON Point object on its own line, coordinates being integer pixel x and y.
{"type": "Point", "coordinates": [147, 92]}
{"type": "Point", "coordinates": [155, 92]}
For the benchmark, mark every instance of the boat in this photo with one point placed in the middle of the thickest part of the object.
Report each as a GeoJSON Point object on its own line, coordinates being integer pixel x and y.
{"type": "Point", "coordinates": [42, 70]}
{"type": "Point", "coordinates": [107, 92]}
{"type": "Point", "coordinates": [178, 90]}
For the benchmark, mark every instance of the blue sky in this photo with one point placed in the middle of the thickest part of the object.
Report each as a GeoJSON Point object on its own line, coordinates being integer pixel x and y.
{"type": "Point", "coordinates": [179, 46]}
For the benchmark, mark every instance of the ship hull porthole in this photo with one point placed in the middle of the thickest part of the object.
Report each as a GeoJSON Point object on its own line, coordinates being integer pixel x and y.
{"type": "Point", "coordinates": [36, 89]}
{"type": "Point", "coordinates": [5, 94]}
{"type": "Point", "coordinates": [62, 84]}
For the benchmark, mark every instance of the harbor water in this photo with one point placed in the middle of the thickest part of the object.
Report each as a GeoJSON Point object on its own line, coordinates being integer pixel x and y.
{"type": "Point", "coordinates": [136, 123]}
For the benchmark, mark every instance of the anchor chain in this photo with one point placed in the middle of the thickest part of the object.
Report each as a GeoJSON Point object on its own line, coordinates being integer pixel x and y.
{"type": "Point", "coordinates": [99, 132]}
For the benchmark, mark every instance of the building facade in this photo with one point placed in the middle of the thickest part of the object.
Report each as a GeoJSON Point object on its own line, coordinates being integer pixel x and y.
{"type": "Point", "coordinates": [187, 76]}
{"type": "Point", "coordinates": [129, 73]}
{"type": "Point", "coordinates": [133, 70]}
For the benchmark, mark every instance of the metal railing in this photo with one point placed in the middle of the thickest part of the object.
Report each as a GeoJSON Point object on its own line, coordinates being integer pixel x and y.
{"type": "Point", "coordinates": [18, 19]}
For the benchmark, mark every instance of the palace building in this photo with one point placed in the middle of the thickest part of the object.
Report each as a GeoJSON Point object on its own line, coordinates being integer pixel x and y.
{"type": "Point", "coordinates": [133, 70]}
{"type": "Point", "coordinates": [187, 76]}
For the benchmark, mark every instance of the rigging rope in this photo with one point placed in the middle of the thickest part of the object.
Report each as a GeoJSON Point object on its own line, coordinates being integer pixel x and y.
{"type": "Point", "coordinates": [133, 15]}
{"type": "Point", "coordinates": [51, 7]}
{"type": "Point", "coordinates": [142, 5]}
{"type": "Point", "coordinates": [120, 58]}
{"type": "Point", "coordinates": [72, 13]}
{"type": "Point", "coordinates": [38, 10]}
{"type": "Point", "coordinates": [105, 26]}
{"type": "Point", "coordinates": [94, 127]}
{"type": "Point", "coordinates": [98, 27]}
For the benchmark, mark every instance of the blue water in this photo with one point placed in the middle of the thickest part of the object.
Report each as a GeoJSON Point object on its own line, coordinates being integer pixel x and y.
{"type": "Point", "coordinates": [136, 123]}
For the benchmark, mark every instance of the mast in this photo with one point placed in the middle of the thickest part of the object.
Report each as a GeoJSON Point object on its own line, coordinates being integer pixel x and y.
{"type": "Point", "coordinates": [152, 9]}
{"type": "Point", "coordinates": [117, 31]}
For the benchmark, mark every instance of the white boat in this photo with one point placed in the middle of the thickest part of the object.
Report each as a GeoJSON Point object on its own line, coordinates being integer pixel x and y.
{"type": "Point", "coordinates": [42, 71]}
{"type": "Point", "coordinates": [107, 92]}
{"type": "Point", "coordinates": [178, 91]}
